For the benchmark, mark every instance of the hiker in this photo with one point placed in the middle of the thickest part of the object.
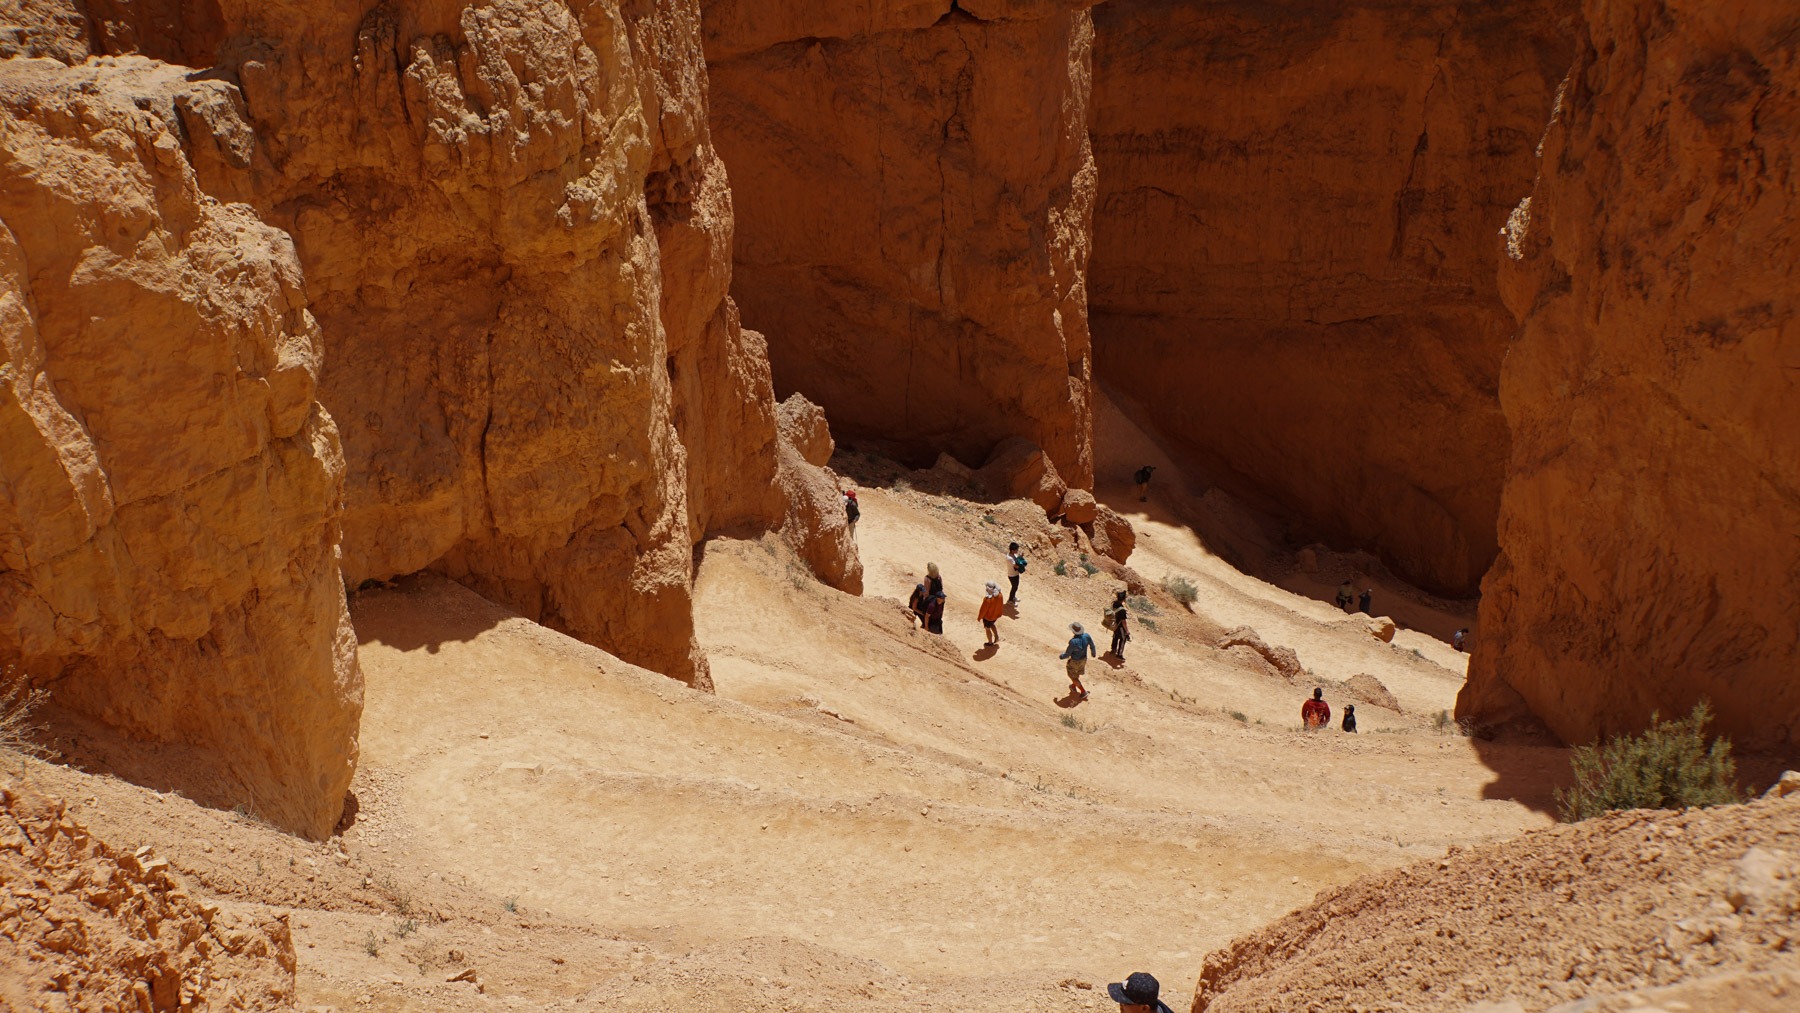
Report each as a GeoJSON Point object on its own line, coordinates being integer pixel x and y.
{"type": "Point", "coordinates": [1015, 559]}
{"type": "Point", "coordinates": [1142, 478]}
{"type": "Point", "coordinates": [1362, 601]}
{"type": "Point", "coordinates": [1315, 713]}
{"type": "Point", "coordinates": [1350, 718]}
{"type": "Point", "coordinates": [852, 512]}
{"type": "Point", "coordinates": [990, 612]}
{"type": "Point", "coordinates": [1345, 594]}
{"type": "Point", "coordinates": [934, 599]}
{"type": "Point", "coordinates": [915, 606]}
{"type": "Point", "coordinates": [934, 581]}
{"type": "Point", "coordinates": [1080, 647]}
{"type": "Point", "coordinates": [1458, 638]}
{"type": "Point", "coordinates": [1138, 994]}
{"type": "Point", "coordinates": [1121, 627]}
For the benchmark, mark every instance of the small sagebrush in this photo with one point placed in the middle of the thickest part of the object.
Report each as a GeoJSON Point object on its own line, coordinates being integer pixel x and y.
{"type": "Point", "coordinates": [1181, 589]}
{"type": "Point", "coordinates": [17, 700]}
{"type": "Point", "coordinates": [1061, 569]}
{"type": "Point", "coordinates": [1669, 766]}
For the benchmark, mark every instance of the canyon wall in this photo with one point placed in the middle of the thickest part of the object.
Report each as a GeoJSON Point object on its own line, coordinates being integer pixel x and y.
{"type": "Point", "coordinates": [1650, 527]}
{"type": "Point", "coordinates": [1293, 275]}
{"type": "Point", "coordinates": [914, 187]}
{"type": "Point", "coordinates": [170, 488]}
{"type": "Point", "coordinates": [436, 285]}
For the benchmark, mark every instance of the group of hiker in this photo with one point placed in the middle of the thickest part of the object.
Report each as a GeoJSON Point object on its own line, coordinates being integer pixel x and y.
{"type": "Point", "coordinates": [1316, 713]}
{"type": "Point", "coordinates": [1364, 602]}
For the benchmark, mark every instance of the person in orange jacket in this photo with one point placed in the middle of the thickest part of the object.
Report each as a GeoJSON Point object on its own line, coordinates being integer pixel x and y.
{"type": "Point", "coordinates": [1316, 713]}
{"type": "Point", "coordinates": [991, 607]}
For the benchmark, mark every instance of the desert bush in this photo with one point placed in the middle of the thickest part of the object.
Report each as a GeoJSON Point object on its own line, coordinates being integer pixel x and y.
{"type": "Point", "coordinates": [1181, 589]}
{"type": "Point", "coordinates": [1061, 569]}
{"type": "Point", "coordinates": [17, 700]}
{"type": "Point", "coordinates": [1669, 766]}
{"type": "Point", "coordinates": [1143, 606]}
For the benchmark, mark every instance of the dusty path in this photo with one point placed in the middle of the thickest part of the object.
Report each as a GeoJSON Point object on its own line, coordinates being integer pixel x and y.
{"type": "Point", "coordinates": [864, 810]}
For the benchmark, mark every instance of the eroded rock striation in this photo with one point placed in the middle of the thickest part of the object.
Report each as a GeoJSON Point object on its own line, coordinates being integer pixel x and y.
{"type": "Point", "coordinates": [1648, 529]}
{"type": "Point", "coordinates": [914, 186]}
{"type": "Point", "coordinates": [170, 488]}
{"type": "Point", "coordinates": [1293, 273]}
{"type": "Point", "coordinates": [304, 296]}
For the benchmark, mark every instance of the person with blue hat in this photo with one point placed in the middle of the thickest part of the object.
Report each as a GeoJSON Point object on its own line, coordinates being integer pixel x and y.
{"type": "Point", "coordinates": [1137, 994]}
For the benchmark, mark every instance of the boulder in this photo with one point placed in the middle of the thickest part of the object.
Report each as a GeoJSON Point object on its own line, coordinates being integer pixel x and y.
{"type": "Point", "coordinates": [1113, 535]}
{"type": "Point", "coordinates": [1078, 506]}
{"type": "Point", "coordinates": [1019, 469]}
{"type": "Point", "coordinates": [1380, 627]}
{"type": "Point", "coordinates": [803, 427]}
{"type": "Point", "coordinates": [1282, 659]}
{"type": "Point", "coordinates": [1369, 690]}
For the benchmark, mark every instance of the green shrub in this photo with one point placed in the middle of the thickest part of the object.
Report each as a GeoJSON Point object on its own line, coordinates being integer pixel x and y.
{"type": "Point", "coordinates": [1143, 606]}
{"type": "Point", "coordinates": [1181, 589]}
{"type": "Point", "coordinates": [1089, 567]}
{"type": "Point", "coordinates": [1669, 766]}
{"type": "Point", "coordinates": [1061, 569]}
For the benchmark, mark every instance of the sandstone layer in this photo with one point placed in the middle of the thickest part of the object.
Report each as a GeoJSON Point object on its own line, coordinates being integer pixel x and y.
{"type": "Point", "coordinates": [170, 487]}
{"type": "Point", "coordinates": [1292, 269]}
{"type": "Point", "coordinates": [914, 187]}
{"type": "Point", "coordinates": [1647, 532]}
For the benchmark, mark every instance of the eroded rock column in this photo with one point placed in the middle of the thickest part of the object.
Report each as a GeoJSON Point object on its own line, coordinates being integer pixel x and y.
{"type": "Point", "coordinates": [914, 186]}
{"type": "Point", "coordinates": [1650, 527]}
{"type": "Point", "coordinates": [1292, 276]}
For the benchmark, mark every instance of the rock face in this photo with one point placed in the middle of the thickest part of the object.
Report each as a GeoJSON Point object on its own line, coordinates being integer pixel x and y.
{"type": "Point", "coordinates": [914, 187]}
{"type": "Point", "coordinates": [1293, 269]}
{"type": "Point", "coordinates": [170, 487]}
{"type": "Point", "coordinates": [493, 242]}
{"type": "Point", "coordinates": [1648, 527]}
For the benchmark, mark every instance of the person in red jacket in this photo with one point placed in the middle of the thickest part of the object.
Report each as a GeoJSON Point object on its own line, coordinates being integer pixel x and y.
{"type": "Point", "coordinates": [1315, 713]}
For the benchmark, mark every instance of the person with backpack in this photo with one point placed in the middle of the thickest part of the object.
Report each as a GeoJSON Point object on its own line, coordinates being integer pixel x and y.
{"type": "Point", "coordinates": [852, 512]}
{"type": "Point", "coordinates": [934, 599]}
{"type": "Point", "coordinates": [1081, 646]}
{"type": "Point", "coordinates": [1016, 560]}
{"type": "Point", "coordinates": [1363, 601]}
{"type": "Point", "coordinates": [989, 615]}
{"type": "Point", "coordinates": [1350, 718]}
{"type": "Point", "coordinates": [1121, 627]}
{"type": "Point", "coordinates": [1142, 478]}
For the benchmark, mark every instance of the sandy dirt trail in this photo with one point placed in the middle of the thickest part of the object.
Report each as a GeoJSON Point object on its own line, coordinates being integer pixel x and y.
{"type": "Point", "coordinates": [865, 810]}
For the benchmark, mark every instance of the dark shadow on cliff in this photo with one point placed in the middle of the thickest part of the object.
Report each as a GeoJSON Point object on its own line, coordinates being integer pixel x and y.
{"type": "Point", "coordinates": [380, 614]}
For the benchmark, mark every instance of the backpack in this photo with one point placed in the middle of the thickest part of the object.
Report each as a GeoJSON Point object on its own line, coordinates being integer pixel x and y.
{"type": "Point", "coordinates": [851, 510]}
{"type": "Point", "coordinates": [1019, 562]}
{"type": "Point", "coordinates": [1107, 621]}
{"type": "Point", "coordinates": [1142, 476]}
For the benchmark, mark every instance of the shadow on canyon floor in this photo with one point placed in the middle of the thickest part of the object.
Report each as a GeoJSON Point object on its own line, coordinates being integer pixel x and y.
{"type": "Point", "coordinates": [460, 626]}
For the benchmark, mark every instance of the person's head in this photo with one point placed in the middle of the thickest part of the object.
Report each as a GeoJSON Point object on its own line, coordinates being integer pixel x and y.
{"type": "Point", "coordinates": [1318, 694]}
{"type": "Point", "coordinates": [1349, 708]}
{"type": "Point", "coordinates": [993, 589]}
{"type": "Point", "coordinates": [1149, 467]}
{"type": "Point", "coordinates": [850, 493]}
{"type": "Point", "coordinates": [932, 569]}
{"type": "Point", "coordinates": [1075, 628]}
{"type": "Point", "coordinates": [1139, 992]}
{"type": "Point", "coordinates": [1014, 547]}
{"type": "Point", "coordinates": [1119, 595]}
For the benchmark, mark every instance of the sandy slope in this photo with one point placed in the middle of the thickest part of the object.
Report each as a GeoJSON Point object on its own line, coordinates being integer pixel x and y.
{"type": "Point", "coordinates": [864, 810]}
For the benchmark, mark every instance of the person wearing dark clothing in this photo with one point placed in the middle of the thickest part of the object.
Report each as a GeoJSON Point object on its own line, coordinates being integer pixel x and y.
{"type": "Point", "coordinates": [1121, 631]}
{"type": "Point", "coordinates": [1138, 994]}
{"type": "Point", "coordinates": [1363, 600]}
{"type": "Point", "coordinates": [1315, 713]}
{"type": "Point", "coordinates": [1350, 718]}
{"type": "Point", "coordinates": [934, 581]}
{"type": "Point", "coordinates": [934, 613]}
{"type": "Point", "coordinates": [916, 604]}
{"type": "Point", "coordinates": [1458, 639]}
{"type": "Point", "coordinates": [1142, 478]}
{"type": "Point", "coordinates": [852, 512]}
{"type": "Point", "coordinates": [1016, 568]}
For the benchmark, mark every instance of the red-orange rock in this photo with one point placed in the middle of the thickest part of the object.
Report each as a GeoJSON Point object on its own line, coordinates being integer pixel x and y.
{"type": "Point", "coordinates": [1292, 266]}
{"type": "Point", "coordinates": [1019, 469]}
{"type": "Point", "coordinates": [913, 189]}
{"type": "Point", "coordinates": [1648, 529]}
{"type": "Point", "coordinates": [1078, 506]}
{"type": "Point", "coordinates": [169, 486]}
{"type": "Point", "coordinates": [1112, 535]}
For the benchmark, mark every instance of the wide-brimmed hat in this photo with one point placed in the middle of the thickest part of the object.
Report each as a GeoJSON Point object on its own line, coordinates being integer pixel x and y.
{"type": "Point", "coordinates": [1140, 989]}
{"type": "Point", "coordinates": [1076, 627]}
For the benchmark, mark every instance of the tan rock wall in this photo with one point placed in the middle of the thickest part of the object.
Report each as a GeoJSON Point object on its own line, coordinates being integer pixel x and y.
{"type": "Point", "coordinates": [1292, 266]}
{"type": "Point", "coordinates": [170, 487]}
{"type": "Point", "coordinates": [1648, 528]}
{"type": "Point", "coordinates": [913, 186]}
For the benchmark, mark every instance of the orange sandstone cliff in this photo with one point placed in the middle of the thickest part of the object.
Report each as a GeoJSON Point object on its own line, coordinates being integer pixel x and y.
{"type": "Point", "coordinates": [914, 186]}
{"type": "Point", "coordinates": [299, 296]}
{"type": "Point", "coordinates": [1293, 272]}
{"type": "Point", "coordinates": [1650, 528]}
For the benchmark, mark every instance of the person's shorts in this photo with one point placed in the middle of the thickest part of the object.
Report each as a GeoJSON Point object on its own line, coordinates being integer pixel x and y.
{"type": "Point", "coordinates": [989, 623]}
{"type": "Point", "coordinates": [1077, 666]}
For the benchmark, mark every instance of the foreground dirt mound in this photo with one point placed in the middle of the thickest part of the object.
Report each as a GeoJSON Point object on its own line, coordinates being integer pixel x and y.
{"type": "Point", "coordinates": [85, 928]}
{"type": "Point", "coordinates": [1631, 901]}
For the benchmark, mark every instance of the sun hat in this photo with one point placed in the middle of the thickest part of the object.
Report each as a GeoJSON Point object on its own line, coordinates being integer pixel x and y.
{"type": "Point", "coordinates": [1140, 989]}
{"type": "Point", "coordinates": [1076, 627]}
